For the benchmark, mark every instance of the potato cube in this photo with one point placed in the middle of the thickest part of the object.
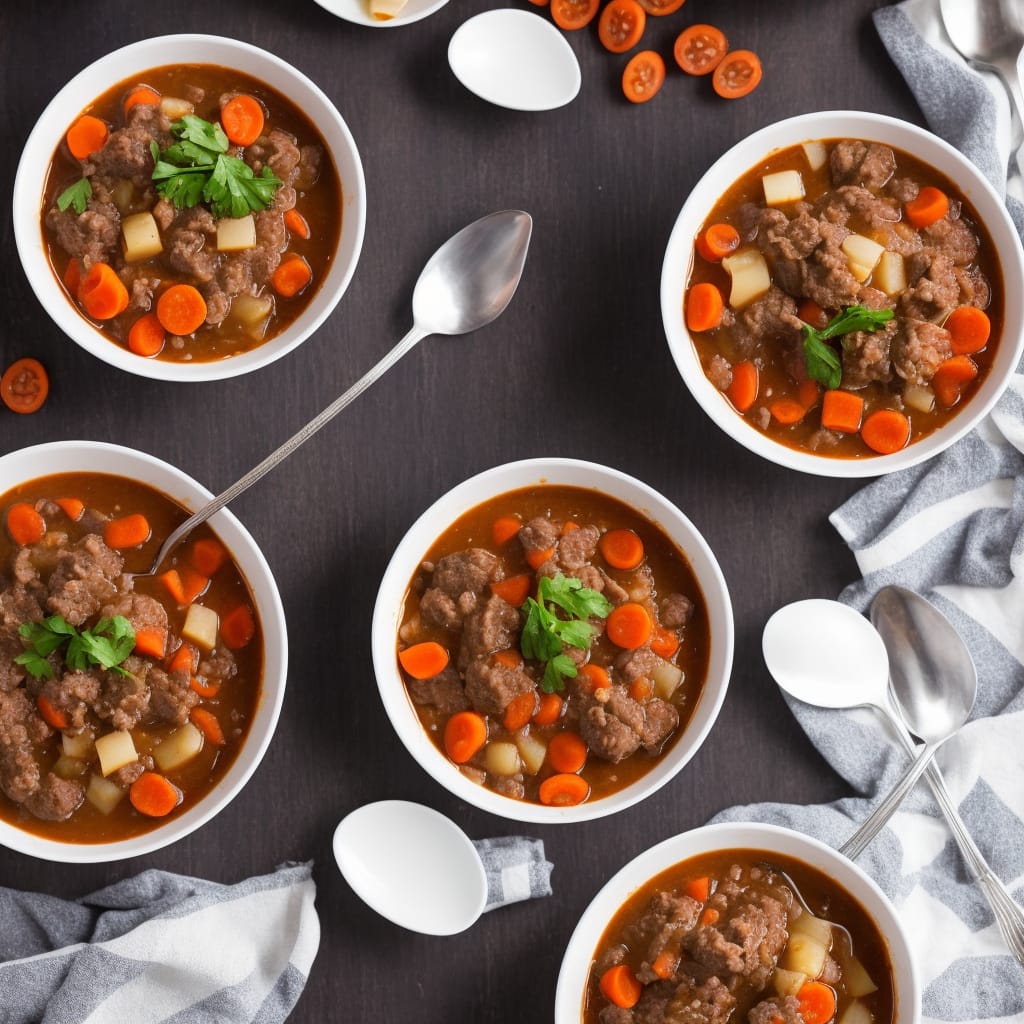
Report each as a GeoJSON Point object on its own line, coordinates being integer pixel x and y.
{"type": "Point", "coordinates": [804, 955]}
{"type": "Point", "coordinates": [666, 678]}
{"type": "Point", "coordinates": [140, 237]}
{"type": "Point", "coordinates": [788, 983]}
{"type": "Point", "coordinates": [816, 154]}
{"type": "Point", "coordinates": [862, 253]}
{"type": "Point", "coordinates": [502, 758]}
{"type": "Point", "coordinates": [182, 745]}
{"type": "Point", "coordinates": [533, 750]}
{"type": "Point", "coordinates": [201, 625]}
{"type": "Point", "coordinates": [919, 397]}
{"type": "Point", "coordinates": [175, 108]}
{"type": "Point", "coordinates": [236, 234]}
{"type": "Point", "coordinates": [782, 187]}
{"type": "Point", "coordinates": [750, 277]}
{"type": "Point", "coordinates": [77, 745]}
{"type": "Point", "coordinates": [817, 928]}
{"type": "Point", "coordinates": [891, 273]}
{"type": "Point", "coordinates": [103, 794]}
{"type": "Point", "coordinates": [251, 310]}
{"type": "Point", "coordinates": [69, 767]}
{"type": "Point", "coordinates": [115, 750]}
{"type": "Point", "coordinates": [856, 1013]}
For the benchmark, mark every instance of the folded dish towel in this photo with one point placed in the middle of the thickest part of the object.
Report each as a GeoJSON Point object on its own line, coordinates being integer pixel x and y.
{"type": "Point", "coordinates": [158, 947]}
{"type": "Point", "coordinates": [953, 530]}
{"type": "Point", "coordinates": [516, 869]}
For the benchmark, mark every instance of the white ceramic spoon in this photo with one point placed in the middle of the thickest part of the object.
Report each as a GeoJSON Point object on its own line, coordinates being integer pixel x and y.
{"type": "Point", "coordinates": [412, 865]}
{"type": "Point", "coordinates": [515, 59]}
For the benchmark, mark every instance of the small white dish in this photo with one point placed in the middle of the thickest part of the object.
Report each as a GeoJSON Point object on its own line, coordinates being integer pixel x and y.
{"type": "Point", "coordinates": [358, 12]}
{"type": "Point", "coordinates": [515, 59]}
{"type": "Point", "coordinates": [412, 865]}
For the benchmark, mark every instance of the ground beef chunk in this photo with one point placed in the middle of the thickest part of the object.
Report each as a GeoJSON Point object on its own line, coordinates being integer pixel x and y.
{"type": "Point", "coordinates": [917, 350]}
{"type": "Point", "coordinates": [82, 581]}
{"type": "Point", "coordinates": [675, 611]}
{"type": "Point", "coordinates": [539, 534]}
{"type": "Point", "coordinates": [220, 664]}
{"type": "Point", "coordinates": [56, 799]}
{"type": "Point", "coordinates": [955, 239]}
{"type": "Point", "coordinates": [127, 774]}
{"type": "Point", "coordinates": [865, 355]}
{"type": "Point", "coordinates": [491, 686]}
{"type": "Point", "coordinates": [440, 609]}
{"type": "Point", "coordinates": [73, 693]}
{"type": "Point", "coordinates": [591, 577]}
{"type": "Point", "coordinates": [458, 581]}
{"type": "Point", "coordinates": [141, 610]}
{"type": "Point", "coordinates": [126, 153]}
{"type": "Point", "coordinates": [638, 663]}
{"type": "Point", "coordinates": [124, 699]}
{"type": "Point", "coordinates": [494, 626]}
{"type": "Point", "coordinates": [576, 547]}
{"type": "Point", "coordinates": [719, 372]}
{"type": "Point", "coordinates": [92, 236]}
{"type": "Point", "coordinates": [612, 1014]}
{"type": "Point", "coordinates": [903, 189]}
{"type": "Point", "coordinates": [19, 773]}
{"type": "Point", "coordinates": [784, 1009]}
{"type": "Point", "coordinates": [660, 722]}
{"type": "Point", "coordinates": [773, 315]}
{"type": "Point", "coordinates": [853, 162]}
{"type": "Point", "coordinates": [11, 674]}
{"type": "Point", "coordinates": [277, 150]}
{"type": "Point", "coordinates": [190, 244]}
{"type": "Point", "coordinates": [310, 161]}
{"type": "Point", "coordinates": [827, 278]}
{"type": "Point", "coordinates": [18, 604]}
{"type": "Point", "coordinates": [443, 691]}
{"type": "Point", "coordinates": [170, 695]}
{"type": "Point", "coordinates": [615, 726]}
{"type": "Point", "coordinates": [511, 786]}
{"type": "Point", "coordinates": [704, 1002]}
{"type": "Point", "coordinates": [974, 287]}
{"type": "Point", "coordinates": [852, 200]}
{"type": "Point", "coordinates": [934, 289]}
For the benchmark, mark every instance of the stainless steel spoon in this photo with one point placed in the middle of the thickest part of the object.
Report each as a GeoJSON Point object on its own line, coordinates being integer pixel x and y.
{"type": "Point", "coordinates": [466, 284]}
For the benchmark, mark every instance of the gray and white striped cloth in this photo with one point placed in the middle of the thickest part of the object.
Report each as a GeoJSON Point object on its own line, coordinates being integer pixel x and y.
{"type": "Point", "coordinates": [953, 530]}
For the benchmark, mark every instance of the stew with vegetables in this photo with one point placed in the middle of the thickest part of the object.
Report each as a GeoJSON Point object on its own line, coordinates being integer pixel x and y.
{"type": "Point", "coordinates": [741, 936]}
{"type": "Point", "coordinates": [845, 298]}
{"type": "Point", "coordinates": [555, 643]}
{"type": "Point", "coordinates": [191, 213]}
{"type": "Point", "coordinates": [122, 700]}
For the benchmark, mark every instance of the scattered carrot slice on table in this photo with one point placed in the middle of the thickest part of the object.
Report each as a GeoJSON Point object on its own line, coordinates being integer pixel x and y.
{"type": "Point", "coordinates": [297, 224]}
{"type": "Point", "coordinates": [564, 790]}
{"type": "Point", "coordinates": [102, 293]}
{"type": "Point", "coordinates": [567, 752]}
{"type": "Point", "coordinates": [519, 711]}
{"type": "Point", "coordinates": [424, 660]}
{"type": "Point", "coordinates": [665, 642]}
{"type": "Point", "coordinates": [54, 716]}
{"type": "Point", "coordinates": [86, 136]}
{"type": "Point", "coordinates": [699, 49]}
{"type": "Point", "coordinates": [629, 626]}
{"type": "Point", "coordinates": [622, 549]}
{"type": "Point", "coordinates": [951, 376]}
{"type": "Point", "coordinates": [242, 119]}
{"type": "Point", "coordinates": [207, 555]}
{"type": "Point", "coordinates": [24, 524]}
{"type": "Point", "coordinates": [643, 76]}
{"type": "Point", "coordinates": [620, 986]}
{"type": "Point", "coordinates": [928, 206]}
{"type": "Point", "coordinates": [549, 709]}
{"type": "Point", "coordinates": [146, 336]}
{"type": "Point", "coordinates": [291, 276]}
{"type": "Point", "coordinates": [742, 391]}
{"type": "Point", "coordinates": [787, 411]}
{"type": "Point", "coordinates": [717, 241]}
{"type": "Point", "coordinates": [737, 75]}
{"type": "Point", "coordinates": [505, 528]}
{"type": "Point", "coordinates": [206, 722]}
{"type": "Point", "coordinates": [704, 307]}
{"type": "Point", "coordinates": [514, 590]}
{"type": "Point", "coordinates": [181, 309]}
{"type": "Point", "coordinates": [621, 25]}
{"type": "Point", "coordinates": [573, 14]}
{"type": "Point", "coordinates": [842, 411]}
{"type": "Point", "coordinates": [72, 507]}
{"type": "Point", "coordinates": [464, 734]}
{"type": "Point", "coordinates": [151, 642]}
{"type": "Point", "coordinates": [969, 329]}
{"type": "Point", "coordinates": [153, 795]}
{"type": "Point", "coordinates": [237, 627]}
{"type": "Point", "coordinates": [885, 431]}
{"type": "Point", "coordinates": [127, 532]}
{"type": "Point", "coordinates": [817, 1002]}
{"type": "Point", "coordinates": [141, 95]}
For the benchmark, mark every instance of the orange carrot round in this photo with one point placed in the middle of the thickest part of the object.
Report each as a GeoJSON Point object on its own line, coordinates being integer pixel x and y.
{"type": "Point", "coordinates": [72, 507]}
{"type": "Point", "coordinates": [787, 411]}
{"type": "Point", "coordinates": [207, 555]}
{"type": "Point", "coordinates": [141, 95]}
{"type": "Point", "coordinates": [664, 642]}
{"type": "Point", "coordinates": [184, 659]}
{"type": "Point", "coordinates": [519, 711]}
{"type": "Point", "coordinates": [885, 431]}
{"type": "Point", "coordinates": [207, 723]}
{"type": "Point", "coordinates": [297, 224]}
{"type": "Point", "coordinates": [567, 752]}
{"type": "Point", "coordinates": [505, 528]}
{"type": "Point", "coordinates": [242, 119]}
{"type": "Point", "coordinates": [742, 392]}
{"type": "Point", "coordinates": [151, 643]}
{"type": "Point", "coordinates": [665, 964]}
{"type": "Point", "coordinates": [549, 709]}
{"type": "Point", "coordinates": [969, 329]}
{"type": "Point", "coordinates": [704, 307]}
{"type": "Point", "coordinates": [629, 626]}
{"type": "Point", "coordinates": [24, 524]}
{"type": "Point", "coordinates": [811, 313]}
{"type": "Point", "coordinates": [181, 309]}
{"type": "Point", "coordinates": [641, 689]}
{"type": "Point", "coordinates": [424, 660]}
{"type": "Point", "coordinates": [842, 411]}
{"type": "Point", "coordinates": [73, 277]}
{"type": "Point", "coordinates": [86, 136]}
{"type": "Point", "coordinates": [536, 557]}
{"type": "Point", "coordinates": [714, 243]}
{"type": "Point", "coordinates": [514, 590]}
{"type": "Point", "coordinates": [102, 293]}
{"type": "Point", "coordinates": [153, 795]}
{"type": "Point", "coordinates": [620, 986]}
{"type": "Point", "coordinates": [464, 734]}
{"type": "Point", "coordinates": [622, 549]}
{"type": "Point", "coordinates": [127, 532]}
{"type": "Point", "coordinates": [237, 627]}
{"type": "Point", "coordinates": [146, 335]}
{"type": "Point", "coordinates": [564, 790]}
{"type": "Point", "coordinates": [593, 677]}
{"type": "Point", "coordinates": [291, 276]}
{"type": "Point", "coordinates": [817, 1002]}
{"type": "Point", "coordinates": [930, 204]}
{"type": "Point", "coordinates": [55, 717]}
{"type": "Point", "coordinates": [949, 379]}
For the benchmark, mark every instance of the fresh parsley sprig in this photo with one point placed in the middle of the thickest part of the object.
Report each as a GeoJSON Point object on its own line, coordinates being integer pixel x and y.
{"type": "Point", "coordinates": [197, 169]}
{"type": "Point", "coordinates": [823, 364]}
{"type": "Point", "coordinates": [107, 644]}
{"type": "Point", "coordinates": [545, 633]}
{"type": "Point", "coordinates": [77, 195]}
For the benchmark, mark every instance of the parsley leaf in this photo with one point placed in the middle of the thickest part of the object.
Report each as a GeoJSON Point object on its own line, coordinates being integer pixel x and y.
{"type": "Point", "coordinates": [107, 644]}
{"type": "Point", "coordinates": [77, 195]}
{"type": "Point", "coordinates": [823, 364]}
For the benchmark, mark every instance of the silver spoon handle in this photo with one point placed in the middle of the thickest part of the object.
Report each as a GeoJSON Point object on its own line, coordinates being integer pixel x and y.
{"type": "Point", "coordinates": [859, 841]}
{"type": "Point", "coordinates": [296, 440]}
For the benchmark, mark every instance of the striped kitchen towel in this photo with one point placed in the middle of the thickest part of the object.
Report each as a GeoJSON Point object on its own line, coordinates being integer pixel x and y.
{"type": "Point", "coordinates": [953, 530]}
{"type": "Point", "coordinates": [160, 947]}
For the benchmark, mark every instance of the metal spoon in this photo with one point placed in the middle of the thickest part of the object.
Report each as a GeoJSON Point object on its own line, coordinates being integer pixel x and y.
{"type": "Point", "coordinates": [828, 655]}
{"type": "Point", "coordinates": [466, 284]}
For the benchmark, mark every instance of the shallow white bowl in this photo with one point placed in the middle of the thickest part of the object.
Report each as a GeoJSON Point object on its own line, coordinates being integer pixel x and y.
{"type": "Point", "coordinates": [358, 12]}
{"type": "Point", "coordinates": [576, 963]}
{"type": "Point", "coordinates": [128, 62]}
{"type": "Point", "coordinates": [835, 125]}
{"type": "Point", "coordinates": [387, 616]}
{"type": "Point", "coordinates": [95, 457]}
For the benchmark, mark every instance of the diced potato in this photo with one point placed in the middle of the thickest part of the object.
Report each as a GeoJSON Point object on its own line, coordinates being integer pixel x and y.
{"type": "Point", "coordinates": [788, 983]}
{"type": "Point", "coordinates": [236, 234]}
{"type": "Point", "coordinates": [201, 625]}
{"type": "Point", "coordinates": [115, 750]}
{"type": "Point", "coordinates": [855, 976]}
{"type": "Point", "coordinates": [385, 10]}
{"type": "Point", "coordinates": [919, 397]}
{"type": "Point", "coordinates": [251, 310]}
{"type": "Point", "coordinates": [666, 678]}
{"type": "Point", "coordinates": [533, 750]}
{"type": "Point", "coordinates": [182, 745]}
{"type": "Point", "coordinates": [103, 794]}
{"type": "Point", "coordinates": [175, 107]}
{"type": "Point", "coordinates": [891, 273]}
{"type": "Point", "coordinates": [140, 237]}
{"type": "Point", "coordinates": [856, 1013]}
{"type": "Point", "coordinates": [79, 745]}
{"type": "Point", "coordinates": [863, 253]}
{"type": "Point", "coordinates": [804, 955]}
{"type": "Point", "coordinates": [782, 187]}
{"type": "Point", "coordinates": [502, 758]}
{"type": "Point", "coordinates": [817, 928]}
{"type": "Point", "coordinates": [816, 154]}
{"type": "Point", "coordinates": [750, 277]}
{"type": "Point", "coordinates": [69, 767]}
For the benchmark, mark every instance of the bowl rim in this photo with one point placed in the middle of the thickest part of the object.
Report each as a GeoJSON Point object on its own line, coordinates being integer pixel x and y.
{"type": "Point", "coordinates": [119, 460]}
{"type": "Point", "coordinates": [510, 477]}
{"type": "Point", "coordinates": [743, 156]}
{"type": "Point", "coordinates": [143, 55]}
{"type": "Point", "coordinates": [576, 961]}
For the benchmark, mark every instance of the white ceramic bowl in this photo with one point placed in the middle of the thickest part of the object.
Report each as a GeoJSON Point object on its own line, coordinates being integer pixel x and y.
{"type": "Point", "coordinates": [576, 963]}
{"type": "Point", "coordinates": [358, 12]}
{"type": "Point", "coordinates": [95, 457]}
{"type": "Point", "coordinates": [835, 125]}
{"type": "Point", "coordinates": [131, 61]}
{"type": "Point", "coordinates": [514, 476]}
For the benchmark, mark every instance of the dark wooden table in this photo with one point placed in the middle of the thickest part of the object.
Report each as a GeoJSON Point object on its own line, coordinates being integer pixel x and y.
{"type": "Point", "coordinates": [577, 366]}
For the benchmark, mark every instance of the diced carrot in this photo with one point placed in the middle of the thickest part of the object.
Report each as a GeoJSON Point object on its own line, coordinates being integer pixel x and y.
{"type": "Point", "coordinates": [86, 136]}
{"type": "Point", "coordinates": [510, 658]}
{"type": "Point", "coordinates": [206, 722]}
{"type": "Point", "coordinates": [127, 532]}
{"type": "Point", "coordinates": [708, 916]}
{"type": "Point", "coordinates": [520, 710]}
{"type": "Point", "coordinates": [842, 411]}
{"type": "Point", "coordinates": [291, 276]}
{"type": "Point", "coordinates": [969, 329]}
{"type": "Point", "coordinates": [811, 313]}
{"type": "Point", "coordinates": [787, 411]}
{"type": "Point", "coordinates": [73, 277]}
{"type": "Point", "coordinates": [664, 642]}
{"type": "Point", "coordinates": [930, 204]}
{"type": "Point", "coordinates": [141, 95]}
{"type": "Point", "coordinates": [151, 642]}
{"type": "Point", "coordinates": [549, 709]}
{"type": "Point", "coordinates": [622, 549]}
{"type": "Point", "coordinates": [564, 790]}
{"type": "Point", "coordinates": [206, 688]}
{"type": "Point", "coordinates": [514, 590]}
{"type": "Point", "coordinates": [424, 660]}
{"type": "Point", "coordinates": [237, 627]}
{"type": "Point", "coordinates": [620, 986]}
{"type": "Point", "coordinates": [951, 376]}
{"type": "Point", "coordinates": [207, 555]}
{"type": "Point", "coordinates": [153, 795]}
{"type": "Point", "coordinates": [641, 689]}
{"type": "Point", "coordinates": [464, 734]}
{"type": "Point", "coordinates": [184, 659]}
{"type": "Point", "coordinates": [593, 677]}
{"type": "Point", "coordinates": [73, 508]}
{"type": "Point", "coordinates": [567, 527]}
{"type": "Point", "coordinates": [629, 625]}
{"type": "Point", "coordinates": [102, 293]}
{"type": "Point", "coordinates": [538, 556]}
{"type": "Point", "coordinates": [742, 392]}
{"type": "Point", "coordinates": [817, 1002]}
{"type": "Point", "coordinates": [665, 964]}
{"type": "Point", "coordinates": [24, 524]}
{"type": "Point", "coordinates": [717, 241]}
{"type": "Point", "coordinates": [704, 307]}
{"type": "Point", "coordinates": [885, 431]}
{"type": "Point", "coordinates": [807, 393]}
{"type": "Point", "coordinates": [184, 584]}
{"type": "Point", "coordinates": [54, 716]}
{"type": "Point", "coordinates": [567, 752]}
{"type": "Point", "coordinates": [698, 888]}
{"type": "Point", "coordinates": [297, 224]}
{"type": "Point", "coordinates": [146, 336]}
{"type": "Point", "coordinates": [505, 528]}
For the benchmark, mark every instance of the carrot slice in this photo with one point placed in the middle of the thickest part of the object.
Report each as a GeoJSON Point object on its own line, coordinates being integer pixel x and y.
{"type": "Point", "coordinates": [737, 75]}
{"type": "Point", "coordinates": [787, 411]}
{"type": "Point", "coordinates": [514, 590]}
{"type": "Point", "coordinates": [207, 555]}
{"type": "Point", "coordinates": [72, 507]}
{"type": "Point", "coordinates": [573, 14]}
{"type": "Point", "coordinates": [641, 689]}
{"type": "Point", "coordinates": [807, 393]}
{"type": "Point", "coordinates": [699, 49]}
{"type": "Point", "coordinates": [297, 224]}
{"type": "Point", "coordinates": [704, 307]}
{"type": "Point", "coordinates": [146, 336]}
{"type": "Point", "coordinates": [424, 660]}
{"type": "Point", "coordinates": [969, 329]}
{"type": "Point", "coordinates": [184, 659]}
{"type": "Point", "coordinates": [141, 95]}
{"type": "Point", "coordinates": [184, 584]}
{"type": "Point", "coordinates": [206, 722]}
{"type": "Point", "coordinates": [181, 309]}
{"type": "Point", "coordinates": [622, 549]}
{"type": "Point", "coordinates": [538, 556]}
{"type": "Point", "coordinates": [928, 206]}
{"type": "Point", "coordinates": [621, 25]}
{"type": "Point", "coordinates": [665, 642]}
{"type": "Point", "coordinates": [643, 76]}
{"type": "Point", "coordinates": [698, 888]}
{"type": "Point", "coordinates": [842, 411]}
{"type": "Point", "coordinates": [567, 752]}
{"type": "Point", "coordinates": [505, 528]}
{"type": "Point", "coordinates": [204, 687]}
{"type": "Point", "coordinates": [54, 716]}
{"type": "Point", "coordinates": [464, 734]}
{"type": "Point", "coordinates": [629, 626]}
{"type": "Point", "coordinates": [291, 277]}
{"type": "Point", "coordinates": [242, 119]}
{"type": "Point", "coordinates": [708, 916]}
{"type": "Point", "coordinates": [510, 658]}
{"type": "Point", "coordinates": [811, 313]}
{"type": "Point", "coordinates": [519, 711]}
{"type": "Point", "coordinates": [153, 795]}
{"type": "Point", "coordinates": [564, 790]}
{"type": "Point", "coordinates": [87, 135]}
{"type": "Point", "coordinates": [593, 677]}
{"type": "Point", "coordinates": [24, 524]}
{"type": "Point", "coordinates": [742, 392]}
{"type": "Point", "coordinates": [127, 532]}
{"type": "Point", "coordinates": [72, 277]}
{"type": "Point", "coordinates": [620, 986]}
{"type": "Point", "coordinates": [102, 293]}
{"type": "Point", "coordinates": [237, 627]}
{"type": "Point", "coordinates": [885, 431]}
{"type": "Point", "coordinates": [717, 241]}
{"type": "Point", "coordinates": [665, 964]}
{"type": "Point", "coordinates": [949, 379]}
{"type": "Point", "coordinates": [817, 1002]}
{"type": "Point", "coordinates": [549, 709]}
{"type": "Point", "coordinates": [151, 643]}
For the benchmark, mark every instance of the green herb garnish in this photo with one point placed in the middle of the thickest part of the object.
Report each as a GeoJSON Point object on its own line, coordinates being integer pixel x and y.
{"type": "Point", "coordinates": [823, 363]}
{"type": "Point", "coordinates": [77, 195]}
{"type": "Point", "coordinates": [196, 169]}
{"type": "Point", "coordinates": [107, 644]}
{"type": "Point", "coordinates": [545, 633]}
